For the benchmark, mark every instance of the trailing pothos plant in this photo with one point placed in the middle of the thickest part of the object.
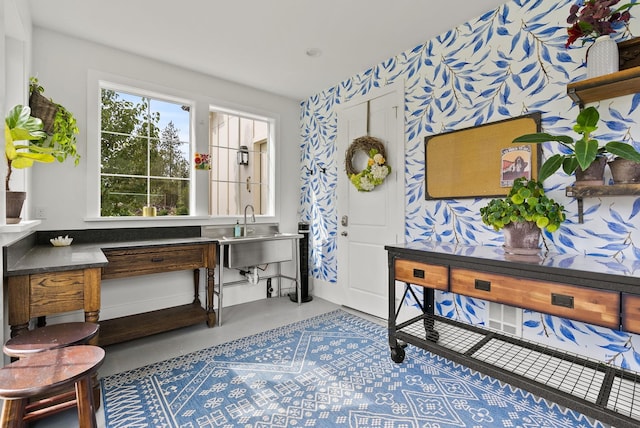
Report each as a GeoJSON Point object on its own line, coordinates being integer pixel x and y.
{"type": "Point", "coordinates": [64, 130]}
{"type": "Point", "coordinates": [581, 152]}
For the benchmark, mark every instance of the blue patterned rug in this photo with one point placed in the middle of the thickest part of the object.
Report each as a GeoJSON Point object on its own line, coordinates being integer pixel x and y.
{"type": "Point", "coordinates": [333, 370]}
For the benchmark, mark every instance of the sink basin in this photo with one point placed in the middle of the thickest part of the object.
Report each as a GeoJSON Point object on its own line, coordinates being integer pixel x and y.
{"type": "Point", "coordinates": [255, 250]}
{"type": "Point", "coordinates": [258, 237]}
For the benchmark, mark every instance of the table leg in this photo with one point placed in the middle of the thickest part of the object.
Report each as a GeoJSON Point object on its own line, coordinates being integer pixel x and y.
{"type": "Point", "coordinates": [211, 314]}
{"type": "Point", "coordinates": [196, 287]}
{"type": "Point", "coordinates": [429, 322]}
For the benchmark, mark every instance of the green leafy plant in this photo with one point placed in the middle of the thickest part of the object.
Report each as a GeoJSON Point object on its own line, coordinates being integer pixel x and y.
{"type": "Point", "coordinates": [579, 153]}
{"type": "Point", "coordinates": [21, 132]}
{"type": "Point", "coordinates": [526, 201]}
{"type": "Point", "coordinates": [64, 130]}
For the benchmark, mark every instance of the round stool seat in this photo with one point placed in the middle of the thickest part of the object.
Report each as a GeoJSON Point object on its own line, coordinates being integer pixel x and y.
{"type": "Point", "coordinates": [50, 337]}
{"type": "Point", "coordinates": [47, 370]}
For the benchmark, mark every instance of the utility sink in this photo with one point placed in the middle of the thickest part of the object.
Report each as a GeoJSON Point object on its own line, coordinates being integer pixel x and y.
{"type": "Point", "coordinates": [258, 237]}
{"type": "Point", "coordinates": [258, 249]}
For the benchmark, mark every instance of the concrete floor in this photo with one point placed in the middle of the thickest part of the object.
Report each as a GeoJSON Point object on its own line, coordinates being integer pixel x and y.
{"type": "Point", "coordinates": [239, 321]}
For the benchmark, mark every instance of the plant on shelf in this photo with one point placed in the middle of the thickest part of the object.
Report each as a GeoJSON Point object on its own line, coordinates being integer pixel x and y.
{"type": "Point", "coordinates": [591, 19]}
{"type": "Point", "coordinates": [21, 134]}
{"type": "Point", "coordinates": [21, 130]}
{"type": "Point", "coordinates": [580, 153]}
{"type": "Point", "coordinates": [525, 202]}
{"type": "Point", "coordinates": [59, 124]}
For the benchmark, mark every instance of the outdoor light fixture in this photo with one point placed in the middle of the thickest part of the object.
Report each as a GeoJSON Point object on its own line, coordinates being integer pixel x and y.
{"type": "Point", "coordinates": [243, 155]}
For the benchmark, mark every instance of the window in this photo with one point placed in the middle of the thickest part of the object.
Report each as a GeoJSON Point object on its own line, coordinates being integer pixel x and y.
{"type": "Point", "coordinates": [142, 154]}
{"type": "Point", "coordinates": [145, 152]}
{"type": "Point", "coordinates": [240, 147]}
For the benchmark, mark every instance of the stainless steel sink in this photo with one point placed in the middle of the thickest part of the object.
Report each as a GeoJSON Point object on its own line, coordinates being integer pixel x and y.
{"type": "Point", "coordinates": [255, 250]}
{"type": "Point", "coordinates": [226, 240]}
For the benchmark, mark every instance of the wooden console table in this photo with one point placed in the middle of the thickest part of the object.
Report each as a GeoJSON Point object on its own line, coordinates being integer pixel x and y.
{"type": "Point", "coordinates": [133, 261]}
{"type": "Point", "coordinates": [49, 280]}
{"type": "Point", "coordinates": [594, 290]}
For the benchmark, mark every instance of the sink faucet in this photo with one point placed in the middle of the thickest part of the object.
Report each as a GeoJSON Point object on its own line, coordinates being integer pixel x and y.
{"type": "Point", "coordinates": [253, 217]}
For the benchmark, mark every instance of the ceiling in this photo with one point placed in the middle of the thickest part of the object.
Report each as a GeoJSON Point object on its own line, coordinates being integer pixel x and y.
{"type": "Point", "coordinates": [262, 43]}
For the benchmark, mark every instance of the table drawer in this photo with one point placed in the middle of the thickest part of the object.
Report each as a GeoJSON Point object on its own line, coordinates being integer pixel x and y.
{"type": "Point", "coordinates": [426, 275]}
{"type": "Point", "coordinates": [598, 307]}
{"type": "Point", "coordinates": [143, 261]}
{"type": "Point", "coordinates": [56, 292]}
{"type": "Point", "coordinates": [631, 313]}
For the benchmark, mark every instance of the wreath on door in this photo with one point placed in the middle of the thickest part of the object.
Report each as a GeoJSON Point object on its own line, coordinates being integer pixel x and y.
{"type": "Point", "coordinates": [375, 172]}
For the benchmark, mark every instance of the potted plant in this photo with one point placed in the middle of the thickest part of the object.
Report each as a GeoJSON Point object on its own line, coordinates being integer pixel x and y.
{"type": "Point", "coordinates": [22, 133]}
{"type": "Point", "coordinates": [522, 214]}
{"type": "Point", "coordinates": [591, 19]}
{"type": "Point", "coordinates": [579, 155]}
{"type": "Point", "coordinates": [58, 123]}
{"type": "Point", "coordinates": [595, 21]}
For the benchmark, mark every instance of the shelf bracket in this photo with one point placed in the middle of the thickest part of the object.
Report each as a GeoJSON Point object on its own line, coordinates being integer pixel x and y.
{"type": "Point", "coordinates": [575, 97]}
{"type": "Point", "coordinates": [580, 210]}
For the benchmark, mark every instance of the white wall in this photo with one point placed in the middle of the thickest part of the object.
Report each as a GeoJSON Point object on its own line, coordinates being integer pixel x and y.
{"type": "Point", "coordinates": [62, 65]}
{"type": "Point", "coordinates": [15, 52]}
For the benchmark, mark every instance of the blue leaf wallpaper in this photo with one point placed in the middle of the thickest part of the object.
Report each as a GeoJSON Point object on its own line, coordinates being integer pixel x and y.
{"type": "Point", "coordinates": [506, 63]}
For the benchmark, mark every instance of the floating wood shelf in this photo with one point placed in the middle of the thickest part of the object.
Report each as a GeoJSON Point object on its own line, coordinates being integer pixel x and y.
{"type": "Point", "coordinates": [612, 85]}
{"type": "Point", "coordinates": [580, 192]}
{"type": "Point", "coordinates": [611, 190]}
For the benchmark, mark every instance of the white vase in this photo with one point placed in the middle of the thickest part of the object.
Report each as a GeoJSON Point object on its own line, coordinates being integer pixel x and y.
{"type": "Point", "coordinates": [602, 57]}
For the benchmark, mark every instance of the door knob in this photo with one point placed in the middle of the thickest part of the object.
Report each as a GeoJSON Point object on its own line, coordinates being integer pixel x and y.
{"type": "Point", "coordinates": [344, 234]}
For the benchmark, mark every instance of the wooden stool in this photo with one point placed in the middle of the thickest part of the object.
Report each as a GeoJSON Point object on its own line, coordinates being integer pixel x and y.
{"type": "Point", "coordinates": [55, 336]}
{"type": "Point", "coordinates": [50, 337]}
{"type": "Point", "coordinates": [45, 372]}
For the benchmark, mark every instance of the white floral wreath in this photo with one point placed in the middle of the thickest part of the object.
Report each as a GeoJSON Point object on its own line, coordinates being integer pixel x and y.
{"type": "Point", "coordinates": [375, 172]}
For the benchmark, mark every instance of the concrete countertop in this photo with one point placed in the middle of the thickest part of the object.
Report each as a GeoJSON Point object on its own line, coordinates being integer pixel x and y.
{"type": "Point", "coordinates": [47, 258]}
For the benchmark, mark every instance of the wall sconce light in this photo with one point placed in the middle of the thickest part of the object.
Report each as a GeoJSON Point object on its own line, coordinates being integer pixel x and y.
{"type": "Point", "coordinates": [243, 155]}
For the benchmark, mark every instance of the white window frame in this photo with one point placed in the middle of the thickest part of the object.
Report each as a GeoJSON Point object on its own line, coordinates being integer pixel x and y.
{"type": "Point", "coordinates": [273, 122]}
{"type": "Point", "coordinates": [199, 187]}
{"type": "Point", "coordinates": [96, 83]}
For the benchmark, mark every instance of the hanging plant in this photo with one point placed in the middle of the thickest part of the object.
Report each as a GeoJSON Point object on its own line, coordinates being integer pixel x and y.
{"type": "Point", "coordinates": [58, 122]}
{"type": "Point", "coordinates": [375, 172]}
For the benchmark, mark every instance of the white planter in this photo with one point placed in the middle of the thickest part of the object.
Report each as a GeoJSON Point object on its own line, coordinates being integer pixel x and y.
{"type": "Point", "coordinates": [602, 57]}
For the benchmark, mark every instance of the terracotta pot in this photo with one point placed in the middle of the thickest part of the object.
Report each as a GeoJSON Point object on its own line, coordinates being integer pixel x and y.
{"type": "Point", "coordinates": [593, 175]}
{"type": "Point", "coordinates": [624, 171]}
{"type": "Point", "coordinates": [14, 201]}
{"type": "Point", "coordinates": [522, 238]}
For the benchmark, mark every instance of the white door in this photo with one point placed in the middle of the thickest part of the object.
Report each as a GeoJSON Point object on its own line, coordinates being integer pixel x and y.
{"type": "Point", "coordinates": [367, 221]}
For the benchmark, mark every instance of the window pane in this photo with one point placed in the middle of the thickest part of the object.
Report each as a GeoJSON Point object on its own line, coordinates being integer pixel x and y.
{"type": "Point", "coordinates": [123, 196]}
{"type": "Point", "coordinates": [170, 197]}
{"type": "Point", "coordinates": [122, 154]}
{"type": "Point", "coordinates": [169, 158]}
{"type": "Point", "coordinates": [122, 113]}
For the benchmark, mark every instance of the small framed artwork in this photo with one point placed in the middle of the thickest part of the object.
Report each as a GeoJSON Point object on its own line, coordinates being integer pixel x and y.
{"type": "Point", "coordinates": [516, 163]}
{"type": "Point", "coordinates": [481, 161]}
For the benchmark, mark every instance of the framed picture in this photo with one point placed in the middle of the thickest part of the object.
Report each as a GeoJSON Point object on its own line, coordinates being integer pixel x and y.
{"type": "Point", "coordinates": [481, 161]}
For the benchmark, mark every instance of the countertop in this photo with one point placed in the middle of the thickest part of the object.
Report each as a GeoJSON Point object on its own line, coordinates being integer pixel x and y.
{"type": "Point", "coordinates": [577, 269]}
{"type": "Point", "coordinates": [24, 259]}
